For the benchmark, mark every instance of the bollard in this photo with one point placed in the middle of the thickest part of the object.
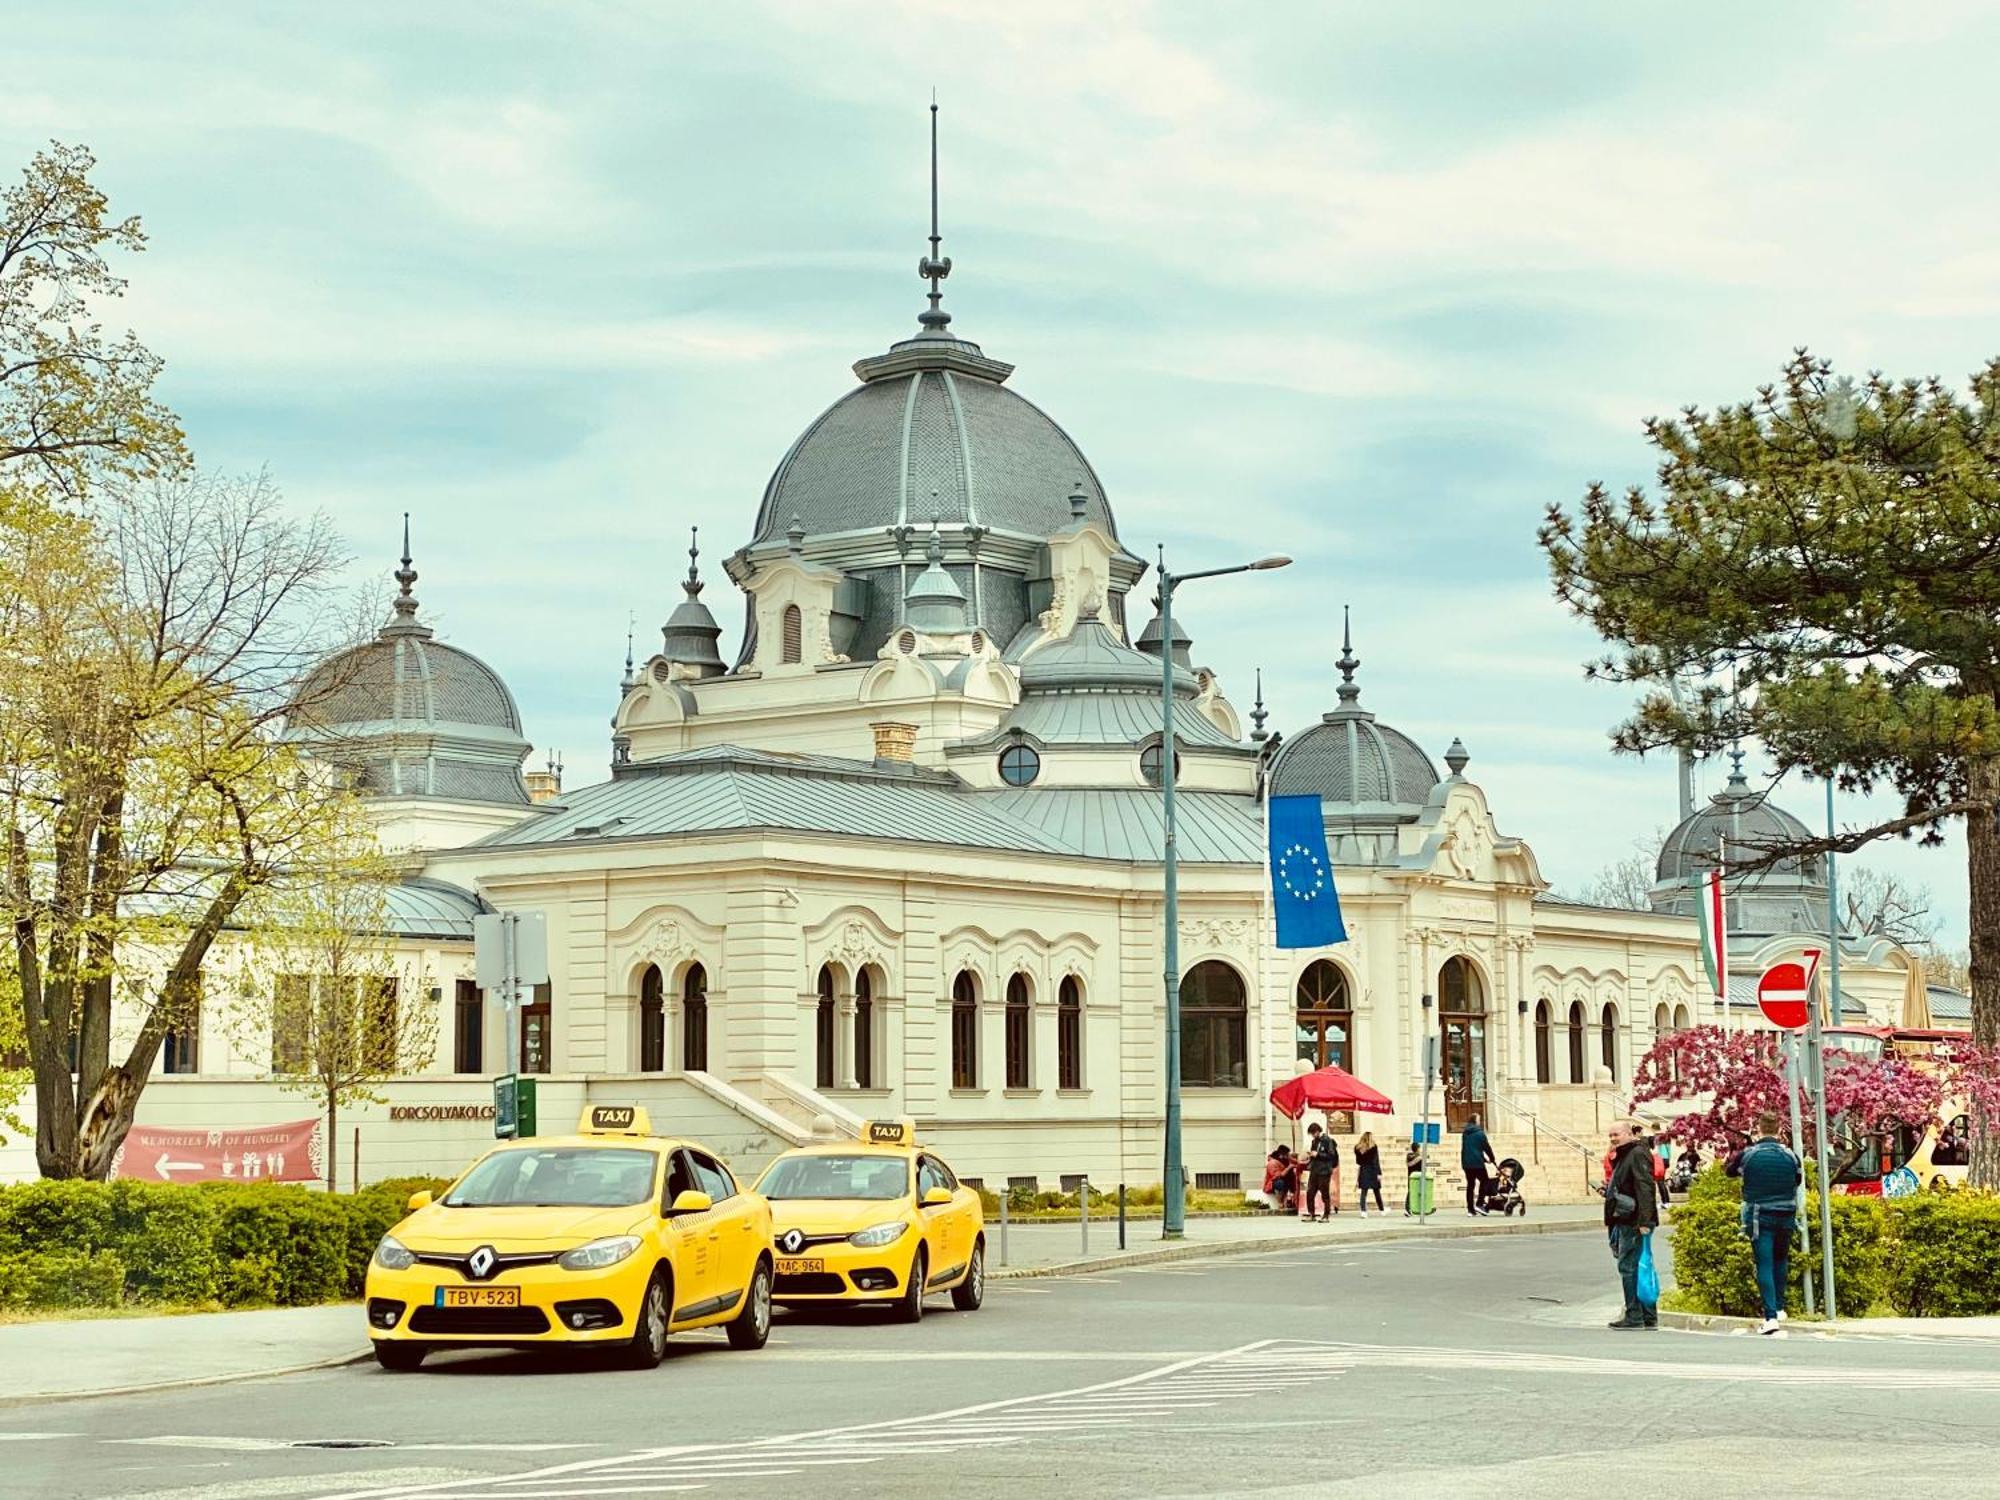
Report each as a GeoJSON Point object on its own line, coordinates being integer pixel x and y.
{"type": "Point", "coordinates": [1121, 1216]}
{"type": "Point", "coordinates": [1003, 1228]}
{"type": "Point", "coordinates": [1083, 1211]}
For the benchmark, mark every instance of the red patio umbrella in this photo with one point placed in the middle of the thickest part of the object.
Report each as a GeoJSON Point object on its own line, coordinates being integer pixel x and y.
{"type": "Point", "coordinates": [1328, 1089]}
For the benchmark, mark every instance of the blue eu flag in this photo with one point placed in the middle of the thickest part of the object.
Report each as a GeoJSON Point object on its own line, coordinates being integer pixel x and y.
{"type": "Point", "coordinates": [1302, 876]}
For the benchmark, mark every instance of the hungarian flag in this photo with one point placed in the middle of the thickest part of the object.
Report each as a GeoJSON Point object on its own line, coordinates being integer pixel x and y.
{"type": "Point", "coordinates": [1714, 933]}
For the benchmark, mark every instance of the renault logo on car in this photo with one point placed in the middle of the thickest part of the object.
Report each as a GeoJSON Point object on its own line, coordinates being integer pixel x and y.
{"type": "Point", "coordinates": [479, 1265]}
{"type": "Point", "coordinates": [792, 1242]}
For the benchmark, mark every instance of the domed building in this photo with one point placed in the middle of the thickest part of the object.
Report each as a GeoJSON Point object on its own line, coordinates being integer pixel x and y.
{"type": "Point", "coordinates": [1741, 824]}
{"type": "Point", "coordinates": [897, 851]}
{"type": "Point", "coordinates": [428, 730]}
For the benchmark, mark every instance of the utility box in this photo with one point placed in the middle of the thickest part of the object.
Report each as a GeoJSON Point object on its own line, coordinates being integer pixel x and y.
{"type": "Point", "coordinates": [513, 1107]}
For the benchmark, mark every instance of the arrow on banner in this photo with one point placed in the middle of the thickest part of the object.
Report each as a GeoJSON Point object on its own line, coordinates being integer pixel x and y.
{"type": "Point", "coordinates": [166, 1167]}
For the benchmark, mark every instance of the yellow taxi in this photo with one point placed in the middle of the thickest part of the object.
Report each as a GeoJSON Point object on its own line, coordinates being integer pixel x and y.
{"type": "Point", "coordinates": [612, 1236]}
{"type": "Point", "coordinates": [880, 1219]}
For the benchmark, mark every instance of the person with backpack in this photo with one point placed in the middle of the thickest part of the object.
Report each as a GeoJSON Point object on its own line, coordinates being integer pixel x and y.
{"type": "Point", "coordinates": [1771, 1176]}
{"type": "Point", "coordinates": [1322, 1161]}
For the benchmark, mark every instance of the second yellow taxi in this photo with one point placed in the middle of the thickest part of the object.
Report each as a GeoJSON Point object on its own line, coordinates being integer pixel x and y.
{"type": "Point", "coordinates": [611, 1236]}
{"type": "Point", "coordinates": [881, 1219]}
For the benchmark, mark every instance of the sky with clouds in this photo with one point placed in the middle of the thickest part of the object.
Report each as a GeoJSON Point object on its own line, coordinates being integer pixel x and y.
{"type": "Point", "coordinates": [1367, 284]}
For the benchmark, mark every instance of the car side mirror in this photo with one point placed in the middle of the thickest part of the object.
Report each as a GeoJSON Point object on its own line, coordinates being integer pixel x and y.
{"type": "Point", "coordinates": [937, 1197]}
{"type": "Point", "coordinates": [420, 1200]}
{"type": "Point", "coordinates": [692, 1201]}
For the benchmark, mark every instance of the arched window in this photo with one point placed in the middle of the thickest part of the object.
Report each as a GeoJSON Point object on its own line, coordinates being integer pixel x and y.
{"type": "Point", "coordinates": [1020, 1032]}
{"type": "Point", "coordinates": [652, 1021]}
{"type": "Point", "coordinates": [1325, 1017]}
{"type": "Point", "coordinates": [1459, 989]}
{"type": "Point", "coordinates": [1069, 1034]}
{"type": "Point", "coordinates": [823, 1030]}
{"type": "Point", "coordinates": [1213, 1011]}
{"type": "Point", "coordinates": [1661, 1021]}
{"type": "Point", "coordinates": [864, 1029]}
{"type": "Point", "coordinates": [1545, 1068]}
{"type": "Point", "coordinates": [694, 1019]}
{"type": "Point", "coordinates": [964, 1031]}
{"type": "Point", "coordinates": [1576, 1046]}
{"type": "Point", "coordinates": [1607, 1041]}
{"type": "Point", "coordinates": [1680, 1018]}
{"type": "Point", "coordinates": [1149, 764]}
{"type": "Point", "coordinates": [791, 642]}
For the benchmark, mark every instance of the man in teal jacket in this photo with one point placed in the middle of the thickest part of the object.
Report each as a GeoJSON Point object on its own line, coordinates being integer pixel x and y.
{"type": "Point", "coordinates": [1771, 1177]}
{"type": "Point", "coordinates": [1474, 1152]}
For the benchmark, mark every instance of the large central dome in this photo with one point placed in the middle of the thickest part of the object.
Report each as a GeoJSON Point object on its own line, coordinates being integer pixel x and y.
{"type": "Point", "coordinates": [932, 431]}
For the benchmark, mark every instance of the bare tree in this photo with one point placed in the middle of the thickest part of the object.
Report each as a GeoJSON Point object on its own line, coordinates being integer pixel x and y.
{"type": "Point", "coordinates": [342, 1011]}
{"type": "Point", "coordinates": [1885, 905]}
{"type": "Point", "coordinates": [1628, 882]}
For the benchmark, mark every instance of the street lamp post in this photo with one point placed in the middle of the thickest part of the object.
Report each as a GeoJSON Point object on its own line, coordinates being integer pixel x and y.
{"type": "Point", "coordinates": [1173, 1210]}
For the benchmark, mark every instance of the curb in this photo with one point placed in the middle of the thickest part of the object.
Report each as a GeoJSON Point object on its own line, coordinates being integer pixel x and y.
{"type": "Point", "coordinates": [189, 1383]}
{"type": "Point", "coordinates": [1200, 1249]}
{"type": "Point", "coordinates": [1854, 1328]}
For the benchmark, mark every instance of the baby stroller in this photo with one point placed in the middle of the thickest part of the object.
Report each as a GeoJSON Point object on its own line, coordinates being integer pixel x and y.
{"type": "Point", "coordinates": [1504, 1196]}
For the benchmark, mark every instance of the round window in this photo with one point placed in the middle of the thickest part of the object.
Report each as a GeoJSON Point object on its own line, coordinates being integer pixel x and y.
{"type": "Point", "coordinates": [1149, 764]}
{"type": "Point", "coordinates": [1019, 765]}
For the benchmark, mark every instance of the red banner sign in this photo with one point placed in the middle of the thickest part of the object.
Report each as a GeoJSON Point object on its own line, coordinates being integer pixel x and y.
{"type": "Point", "coordinates": [263, 1153]}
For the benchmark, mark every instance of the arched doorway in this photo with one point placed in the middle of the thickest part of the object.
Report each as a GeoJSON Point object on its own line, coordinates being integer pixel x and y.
{"type": "Point", "coordinates": [1462, 1022]}
{"type": "Point", "coordinates": [1324, 1026]}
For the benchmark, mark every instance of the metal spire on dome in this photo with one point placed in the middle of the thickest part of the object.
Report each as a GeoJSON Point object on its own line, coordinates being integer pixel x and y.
{"type": "Point", "coordinates": [1258, 714]}
{"type": "Point", "coordinates": [1350, 695]}
{"type": "Point", "coordinates": [693, 584]}
{"type": "Point", "coordinates": [628, 682]}
{"type": "Point", "coordinates": [934, 267]}
{"type": "Point", "coordinates": [406, 577]}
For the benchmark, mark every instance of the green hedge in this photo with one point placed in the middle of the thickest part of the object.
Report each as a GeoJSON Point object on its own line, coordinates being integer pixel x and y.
{"type": "Point", "coordinates": [104, 1244]}
{"type": "Point", "coordinates": [1935, 1255]}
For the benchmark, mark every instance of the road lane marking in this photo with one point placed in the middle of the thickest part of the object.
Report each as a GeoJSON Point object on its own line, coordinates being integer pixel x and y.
{"type": "Point", "coordinates": [1149, 1395]}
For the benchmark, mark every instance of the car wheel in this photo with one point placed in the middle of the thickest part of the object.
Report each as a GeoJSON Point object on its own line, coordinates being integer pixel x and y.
{"type": "Point", "coordinates": [751, 1327]}
{"type": "Point", "coordinates": [910, 1307]}
{"type": "Point", "coordinates": [399, 1355]}
{"type": "Point", "coordinates": [649, 1339]}
{"type": "Point", "coordinates": [969, 1293]}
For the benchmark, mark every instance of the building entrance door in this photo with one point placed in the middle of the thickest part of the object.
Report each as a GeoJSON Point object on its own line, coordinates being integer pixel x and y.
{"type": "Point", "coordinates": [1464, 1065]}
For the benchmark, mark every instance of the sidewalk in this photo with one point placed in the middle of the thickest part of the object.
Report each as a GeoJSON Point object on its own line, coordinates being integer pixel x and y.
{"type": "Point", "coordinates": [72, 1357]}
{"type": "Point", "coordinates": [1044, 1249]}
{"type": "Point", "coordinates": [1929, 1328]}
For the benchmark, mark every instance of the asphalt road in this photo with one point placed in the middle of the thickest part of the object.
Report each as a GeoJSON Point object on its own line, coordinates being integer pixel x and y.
{"type": "Point", "coordinates": [1464, 1368]}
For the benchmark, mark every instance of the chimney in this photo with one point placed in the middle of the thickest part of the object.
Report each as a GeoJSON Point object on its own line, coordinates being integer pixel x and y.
{"type": "Point", "coordinates": [544, 785]}
{"type": "Point", "coordinates": [895, 742]}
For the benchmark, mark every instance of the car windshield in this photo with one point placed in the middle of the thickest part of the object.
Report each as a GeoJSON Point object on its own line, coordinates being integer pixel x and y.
{"type": "Point", "coordinates": [558, 1177]}
{"type": "Point", "coordinates": [876, 1177]}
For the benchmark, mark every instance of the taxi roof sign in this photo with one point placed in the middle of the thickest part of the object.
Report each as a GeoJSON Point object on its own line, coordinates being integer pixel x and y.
{"type": "Point", "coordinates": [891, 1133]}
{"type": "Point", "coordinates": [613, 1119]}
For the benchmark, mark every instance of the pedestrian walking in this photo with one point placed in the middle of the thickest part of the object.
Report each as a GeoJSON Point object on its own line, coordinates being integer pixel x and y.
{"type": "Point", "coordinates": [1322, 1161]}
{"type": "Point", "coordinates": [1631, 1213]}
{"type": "Point", "coordinates": [1771, 1177]}
{"type": "Point", "coordinates": [1663, 1156]}
{"type": "Point", "coordinates": [1368, 1171]}
{"type": "Point", "coordinates": [1474, 1152]}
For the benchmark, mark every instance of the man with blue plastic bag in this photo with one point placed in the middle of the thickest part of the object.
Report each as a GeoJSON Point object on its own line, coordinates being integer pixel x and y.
{"type": "Point", "coordinates": [1631, 1214]}
{"type": "Point", "coordinates": [1771, 1177]}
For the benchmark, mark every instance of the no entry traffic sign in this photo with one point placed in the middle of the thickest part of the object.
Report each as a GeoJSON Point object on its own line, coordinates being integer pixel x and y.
{"type": "Point", "coordinates": [1784, 992]}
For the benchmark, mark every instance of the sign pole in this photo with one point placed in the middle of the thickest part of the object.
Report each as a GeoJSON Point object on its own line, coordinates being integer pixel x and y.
{"type": "Point", "coordinates": [1430, 1072]}
{"type": "Point", "coordinates": [1794, 1072]}
{"type": "Point", "coordinates": [1818, 1043]}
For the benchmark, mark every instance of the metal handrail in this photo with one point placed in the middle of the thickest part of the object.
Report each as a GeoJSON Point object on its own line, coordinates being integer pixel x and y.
{"type": "Point", "coordinates": [1590, 1154]}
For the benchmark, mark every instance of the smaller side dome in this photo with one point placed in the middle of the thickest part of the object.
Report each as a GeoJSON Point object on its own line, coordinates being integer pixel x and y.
{"type": "Point", "coordinates": [412, 716]}
{"type": "Point", "coordinates": [1361, 769]}
{"type": "Point", "coordinates": [1742, 822]}
{"type": "Point", "coordinates": [690, 637]}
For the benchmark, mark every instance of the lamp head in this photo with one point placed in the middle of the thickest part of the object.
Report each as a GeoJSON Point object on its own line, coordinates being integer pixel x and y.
{"type": "Point", "coordinates": [1265, 564]}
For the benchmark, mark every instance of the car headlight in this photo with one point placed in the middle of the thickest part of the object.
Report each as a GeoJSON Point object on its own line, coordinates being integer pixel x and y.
{"type": "Point", "coordinates": [599, 1253]}
{"type": "Point", "coordinates": [878, 1234]}
{"type": "Point", "coordinates": [393, 1255]}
